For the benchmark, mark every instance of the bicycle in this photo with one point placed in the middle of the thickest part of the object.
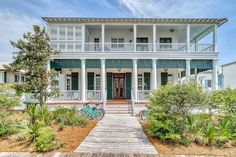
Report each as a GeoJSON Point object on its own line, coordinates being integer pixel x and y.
{"type": "Point", "coordinates": [92, 113]}
{"type": "Point", "coordinates": [143, 115]}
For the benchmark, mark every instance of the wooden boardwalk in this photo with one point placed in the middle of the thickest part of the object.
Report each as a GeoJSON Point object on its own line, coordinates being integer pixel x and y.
{"type": "Point", "coordinates": [117, 134]}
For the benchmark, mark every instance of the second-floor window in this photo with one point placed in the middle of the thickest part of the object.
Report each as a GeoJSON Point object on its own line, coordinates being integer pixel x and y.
{"type": "Point", "coordinates": [165, 43]}
{"type": "Point", "coordinates": [117, 42]}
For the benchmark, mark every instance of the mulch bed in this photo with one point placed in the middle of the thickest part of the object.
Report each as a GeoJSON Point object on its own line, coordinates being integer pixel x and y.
{"type": "Point", "coordinates": [193, 149]}
{"type": "Point", "coordinates": [70, 136]}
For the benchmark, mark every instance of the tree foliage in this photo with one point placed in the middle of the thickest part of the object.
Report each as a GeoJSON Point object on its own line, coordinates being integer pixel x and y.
{"type": "Point", "coordinates": [34, 53]}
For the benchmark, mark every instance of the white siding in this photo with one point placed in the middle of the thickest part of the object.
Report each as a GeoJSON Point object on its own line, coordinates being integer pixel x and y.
{"type": "Point", "coordinates": [229, 72]}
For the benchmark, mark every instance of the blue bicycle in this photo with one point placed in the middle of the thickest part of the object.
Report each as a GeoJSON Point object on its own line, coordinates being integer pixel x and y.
{"type": "Point", "coordinates": [93, 113]}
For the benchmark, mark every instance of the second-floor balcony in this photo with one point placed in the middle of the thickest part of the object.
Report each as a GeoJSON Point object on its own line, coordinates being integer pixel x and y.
{"type": "Point", "coordinates": [73, 47]}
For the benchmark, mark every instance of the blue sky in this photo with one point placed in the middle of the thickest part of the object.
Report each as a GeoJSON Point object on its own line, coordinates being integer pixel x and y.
{"type": "Point", "coordinates": [18, 16]}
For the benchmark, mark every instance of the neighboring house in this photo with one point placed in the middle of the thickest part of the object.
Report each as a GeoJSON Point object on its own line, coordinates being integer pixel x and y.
{"type": "Point", "coordinates": [10, 77]}
{"type": "Point", "coordinates": [204, 78]}
{"type": "Point", "coordinates": [125, 58]}
{"type": "Point", "coordinates": [229, 73]}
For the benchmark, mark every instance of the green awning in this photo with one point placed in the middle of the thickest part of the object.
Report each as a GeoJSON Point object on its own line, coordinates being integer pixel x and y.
{"type": "Point", "coordinates": [144, 63]}
{"type": "Point", "coordinates": [170, 63]}
{"type": "Point", "coordinates": [119, 63]}
{"type": "Point", "coordinates": [201, 64]}
{"type": "Point", "coordinates": [93, 63]}
{"type": "Point", "coordinates": [65, 63]}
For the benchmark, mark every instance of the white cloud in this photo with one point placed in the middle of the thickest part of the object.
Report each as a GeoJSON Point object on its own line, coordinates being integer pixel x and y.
{"type": "Point", "coordinates": [168, 8]}
{"type": "Point", "coordinates": [12, 26]}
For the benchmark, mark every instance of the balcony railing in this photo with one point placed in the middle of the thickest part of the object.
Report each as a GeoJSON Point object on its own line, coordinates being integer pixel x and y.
{"type": "Point", "coordinates": [72, 46]}
{"type": "Point", "coordinates": [67, 95]}
{"type": "Point", "coordinates": [143, 94]}
{"type": "Point", "coordinates": [93, 95]}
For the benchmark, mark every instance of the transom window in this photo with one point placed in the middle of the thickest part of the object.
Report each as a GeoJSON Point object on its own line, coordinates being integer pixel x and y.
{"type": "Point", "coordinates": [116, 42]}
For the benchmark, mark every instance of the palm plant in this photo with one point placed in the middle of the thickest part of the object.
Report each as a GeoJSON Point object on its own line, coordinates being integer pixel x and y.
{"type": "Point", "coordinates": [33, 131]}
{"type": "Point", "coordinates": [44, 115]}
{"type": "Point", "coordinates": [210, 133]}
{"type": "Point", "coordinates": [33, 113]}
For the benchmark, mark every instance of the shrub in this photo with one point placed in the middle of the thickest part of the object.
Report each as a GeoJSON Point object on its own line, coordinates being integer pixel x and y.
{"type": "Point", "coordinates": [32, 113]}
{"type": "Point", "coordinates": [60, 127]}
{"type": "Point", "coordinates": [226, 100]}
{"type": "Point", "coordinates": [68, 117]}
{"type": "Point", "coordinates": [169, 108]}
{"type": "Point", "coordinates": [46, 140]}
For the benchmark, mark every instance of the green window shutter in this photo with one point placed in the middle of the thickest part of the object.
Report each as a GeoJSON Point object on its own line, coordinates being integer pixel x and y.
{"type": "Point", "coordinates": [75, 81]}
{"type": "Point", "coordinates": [147, 81]}
{"type": "Point", "coordinates": [164, 78]}
{"type": "Point", "coordinates": [90, 81]}
{"type": "Point", "coordinates": [109, 86]}
{"type": "Point", "coordinates": [5, 77]}
{"type": "Point", "coordinates": [128, 86]}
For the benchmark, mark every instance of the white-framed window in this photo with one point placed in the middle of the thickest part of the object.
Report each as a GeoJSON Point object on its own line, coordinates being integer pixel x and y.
{"type": "Point", "coordinates": [62, 32]}
{"type": "Point", "coordinates": [53, 32]}
{"type": "Point", "coordinates": [97, 82]}
{"type": "Point", "coordinates": [68, 82]}
{"type": "Point", "coordinates": [170, 78]}
{"type": "Point", "coordinates": [77, 32]}
{"type": "Point", "coordinates": [140, 82]}
{"type": "Point", "coordinates": [207, 83]}
{"type": "Point", "coordinates": [70, 33]}
{"type": "Point", "coordinates": [1, 76]}
{"type": "Point", "coordinates": [117, 42]}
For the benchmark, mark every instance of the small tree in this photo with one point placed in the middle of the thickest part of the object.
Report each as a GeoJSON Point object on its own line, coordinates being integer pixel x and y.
{"type": "Point", "coordinates": [33, 56]}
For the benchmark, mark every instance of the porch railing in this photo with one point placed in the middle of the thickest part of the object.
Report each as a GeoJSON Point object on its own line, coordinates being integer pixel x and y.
{"type": "Point", "coordinates": [67, 95]}
{"type": "Point", "coordinates": [201, 47]}
{"type": "Point", "coordinates": [171, 47]}
{"type": "Point", "coordinates": [72, 46]}
{"type": "Point", "coordinates": [143, 94]}
{"type": "Point", "coordinates": [93, 95]}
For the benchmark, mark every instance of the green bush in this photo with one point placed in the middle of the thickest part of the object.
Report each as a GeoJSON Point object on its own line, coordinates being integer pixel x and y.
{"type": "Point", "coordinates": [168, 111]}
{"type": "Point", "coordinates": [170, 118]}
{"type": "Point", "coordinates": [226, 100]}
{"type": "Point", "coordinates": [46, 140]}
{"type": "Point", "coordinates": [68, 117]}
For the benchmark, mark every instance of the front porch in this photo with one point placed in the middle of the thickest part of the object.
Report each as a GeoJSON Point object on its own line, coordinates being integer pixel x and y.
{"type": "Point", "coordinates": [104, 80]}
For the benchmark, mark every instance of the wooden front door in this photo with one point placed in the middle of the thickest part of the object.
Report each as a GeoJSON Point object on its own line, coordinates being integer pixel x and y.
{"type": "Point", "coordinates": [119, 86]}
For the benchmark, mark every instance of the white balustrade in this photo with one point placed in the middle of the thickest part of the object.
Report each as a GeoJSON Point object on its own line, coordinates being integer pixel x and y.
{"type": "Point", "coordinates": [67, 95]}
{"type": "Point", "coordinates": [93, 95]}
{"type": "Point", "coordinates": [143, 94]}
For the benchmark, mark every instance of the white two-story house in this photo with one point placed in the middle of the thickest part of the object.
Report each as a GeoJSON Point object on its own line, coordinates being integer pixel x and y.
{"type": "Point", "coordinates": [125, 58]}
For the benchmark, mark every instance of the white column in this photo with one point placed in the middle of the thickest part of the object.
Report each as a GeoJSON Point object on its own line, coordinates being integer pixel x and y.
{"type": "Point", "coordinates": [215, 39]}
{"type": "Point", "coordinates": [83, 90]}
{"type": "Point", "coordinates": [188, 37]}
{"type": "Point", "coordinates": [103, 79]}
{"type": "Point", "coordinates": [47, 70]}
{"type": "Point", "coordinates": [135, 36]}
{"type": "Point", "coordinates": [154, 37]}
{"type": "Point", "coordinates": [135, 75]}
{"type": "Point", "coordinates": [154, 74]}
{"type": "Point", "coordinates": [214, 82]}
{"type": "Point", "coordinates": [195, 75]}
{"type": "Point", "coordinates": [187, 69]}
{"type": "Point", "coordinates": [103, 37]}
{"type": "Point", "coordinates": [83, 37]}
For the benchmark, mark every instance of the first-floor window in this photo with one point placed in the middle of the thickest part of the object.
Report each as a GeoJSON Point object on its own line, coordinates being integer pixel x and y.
{"type": "Point", "coordinates": [140, 82]}
{"type": "Point", "coordinates": [1, 77]}
{"type": "Point", "coordinates": [170, 78]}
{"type": "Point", "coordinates": [98, 82]}
{"type": "Point", "coordinates": [68, 82]}
{"type": "Point", "coordinates": [208, 83]}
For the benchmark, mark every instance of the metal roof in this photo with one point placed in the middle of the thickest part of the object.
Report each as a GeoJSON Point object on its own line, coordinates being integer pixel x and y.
{"type": "Point", "coordinates": [230, 63]}
{"type": "Point", "coordinates": [218, 21]}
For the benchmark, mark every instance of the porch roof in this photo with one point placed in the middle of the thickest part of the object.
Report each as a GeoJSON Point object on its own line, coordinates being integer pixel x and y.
{"type": "Point", "coordinates": [218, 21]}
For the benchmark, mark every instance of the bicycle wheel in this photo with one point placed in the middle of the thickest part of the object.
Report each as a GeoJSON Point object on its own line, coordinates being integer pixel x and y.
{"type": "Point", "coordinates": [143, 115]}
{"type": "Point", "coordinates": [82, 113]}
{"type": "Point", "coordinates": [99, 114]}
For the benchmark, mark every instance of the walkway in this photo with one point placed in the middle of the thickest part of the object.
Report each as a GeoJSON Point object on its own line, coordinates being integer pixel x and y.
{"type": "Point", "coordinates": [117, 133]}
